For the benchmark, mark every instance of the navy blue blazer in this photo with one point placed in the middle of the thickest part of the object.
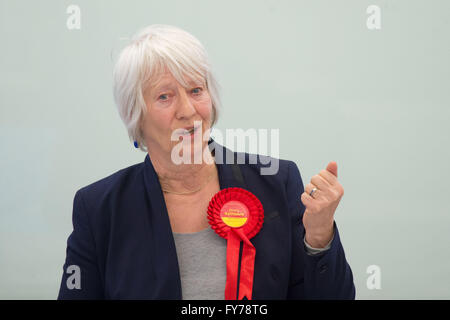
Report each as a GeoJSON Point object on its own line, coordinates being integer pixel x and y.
{"type": "Point", "coordinates": [122, 240]}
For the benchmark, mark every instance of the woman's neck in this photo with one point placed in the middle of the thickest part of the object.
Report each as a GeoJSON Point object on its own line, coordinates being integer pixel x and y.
{"type": "Point", "coordinates": [182, 178]}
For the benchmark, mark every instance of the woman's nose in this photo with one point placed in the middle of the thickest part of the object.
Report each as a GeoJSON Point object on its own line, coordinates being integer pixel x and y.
{"type": "Point", "coordinates": [185, 109]}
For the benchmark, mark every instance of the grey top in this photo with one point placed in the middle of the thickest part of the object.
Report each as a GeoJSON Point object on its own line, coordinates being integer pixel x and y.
{"type": "Point", "coordinates": [202, 259]}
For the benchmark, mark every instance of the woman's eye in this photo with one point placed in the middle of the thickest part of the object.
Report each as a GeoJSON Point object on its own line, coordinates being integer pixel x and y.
{"type": "Point", "coordinates": [163, 95]}
{"type": "Point", "coordinates": [197, 89]}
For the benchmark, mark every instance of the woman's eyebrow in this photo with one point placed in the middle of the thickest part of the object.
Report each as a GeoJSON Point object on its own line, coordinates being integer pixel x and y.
{"type": "Point", "coordinates": [162, 86]}
{"type": "Point", "coordinates": [165, 86]}
{"type": "Point", "coordinates": [195, 83]}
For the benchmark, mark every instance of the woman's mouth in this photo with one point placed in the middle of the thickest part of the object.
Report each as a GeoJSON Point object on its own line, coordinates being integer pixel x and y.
{"type": "Point", "coordinates": [190, 132]}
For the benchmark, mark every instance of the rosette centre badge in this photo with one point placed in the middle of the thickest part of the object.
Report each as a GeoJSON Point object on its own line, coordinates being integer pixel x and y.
{"type": "Point", "coordinates": [234, 214]}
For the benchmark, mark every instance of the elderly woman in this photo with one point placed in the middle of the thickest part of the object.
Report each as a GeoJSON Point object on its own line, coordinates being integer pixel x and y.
{"type": "Point", "coordinates": [148, 231]}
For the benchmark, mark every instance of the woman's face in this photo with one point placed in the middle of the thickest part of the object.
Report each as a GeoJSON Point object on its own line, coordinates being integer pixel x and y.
{"type": "Point", "coordinates": [171, 107]}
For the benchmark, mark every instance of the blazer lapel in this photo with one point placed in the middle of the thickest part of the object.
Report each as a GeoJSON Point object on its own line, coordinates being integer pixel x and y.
{"type": "Point", "coordinates": [167, 283]}
{"type": "Point", "coordinates": [230, 174]}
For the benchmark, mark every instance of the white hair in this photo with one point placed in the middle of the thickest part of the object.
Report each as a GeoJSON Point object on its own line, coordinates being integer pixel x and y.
{"type": "Point", "coordinates": [142, 62]}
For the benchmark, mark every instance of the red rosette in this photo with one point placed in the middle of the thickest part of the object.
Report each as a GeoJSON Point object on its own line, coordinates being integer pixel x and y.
{"type": "Point", "coordinates": [254, 206]}
{"type": "Point", "coordinates": [237, 215]}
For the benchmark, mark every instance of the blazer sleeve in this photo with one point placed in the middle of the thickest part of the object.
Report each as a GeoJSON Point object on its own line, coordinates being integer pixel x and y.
{"type": "Point", "coordinates": [326, 275]}
{"type": "Point", "coordinates": [81, 277]}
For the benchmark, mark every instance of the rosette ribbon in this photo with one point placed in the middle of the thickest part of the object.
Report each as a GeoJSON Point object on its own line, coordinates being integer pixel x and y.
{"type": "Point", "coordinates": [237, 215]}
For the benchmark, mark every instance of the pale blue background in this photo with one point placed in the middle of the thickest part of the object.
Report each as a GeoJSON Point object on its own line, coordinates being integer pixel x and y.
{"type": "Point", "coordinates": [377, 102]}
